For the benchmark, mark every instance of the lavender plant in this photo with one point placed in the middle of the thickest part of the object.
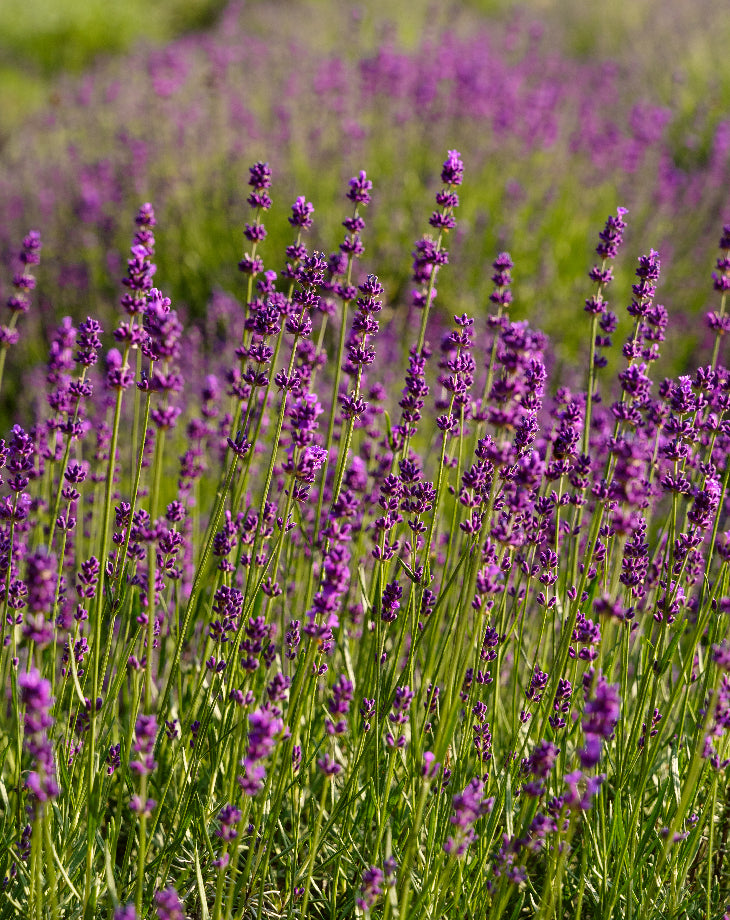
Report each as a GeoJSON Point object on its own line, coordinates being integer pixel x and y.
{"type": "Point", "coordinates": [366, 616]}
{"type": "Point", "coordinates": [534, 125]}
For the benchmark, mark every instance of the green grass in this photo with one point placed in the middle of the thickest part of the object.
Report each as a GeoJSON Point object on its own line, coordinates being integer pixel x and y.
{"type": "Point", "coordinates": [42, 39]}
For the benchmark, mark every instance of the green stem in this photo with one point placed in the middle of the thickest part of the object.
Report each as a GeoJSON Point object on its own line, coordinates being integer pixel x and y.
{"type": "Point", "coordinates": [314, 843]}
{"type": "Point", "coordinates": [4, 349]}
{"type": "Point", "coordinates": [96, 650]}
{"type": "Point", "coordinates": [197, 584]}
{"type": "Point", "coordinates": [142, 847]}
{"type": "Point", "coordinates": [152, 566]}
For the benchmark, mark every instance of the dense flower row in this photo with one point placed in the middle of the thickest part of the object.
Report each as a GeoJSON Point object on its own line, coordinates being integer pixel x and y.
{"type": "Point", "coordinates": [218, 100]}
{"type": "Point", "coordinates": [286, 632]}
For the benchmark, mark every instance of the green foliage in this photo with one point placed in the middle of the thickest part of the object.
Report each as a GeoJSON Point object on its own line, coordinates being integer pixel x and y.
{"type": "Point", "coordinates": [40, 40]}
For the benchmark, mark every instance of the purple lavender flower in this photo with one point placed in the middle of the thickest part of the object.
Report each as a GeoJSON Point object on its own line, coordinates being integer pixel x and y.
{"type": "Point", "coordinates": [339, 704]}
{"type": "Point", "coordinates": [721, 655]}
{"type": "Point", "coordinates": [125, 912]}
{"type": "Point", "coordinates": [24, 282]}
{"type": "Point", "coordinates": [41, 582]}
{"type": "Point", "coordinates": [502, 279]}
{"type": "Point", "coordinates": [30, 254]}
{"type": "Point", "coordinates": [482, 734]}
{"type": "Point", "coordinates": [582, 789]}
{"type": "Point", "coordinates": [146, 732]}
{"type": "Point", "coordinates": [588, 634]}
{"type": "Point", "coordinates": [259, 177]}
{"type": "Point", "coordinates": [469, 806]}
{"type": "Point", "coordinates": [164, 329]}
{"type": "Point", "coordinates": [414, 393]}
{"type": "Point", "coordinates": [113, 758]}
{"type": "Point", "coordinates": [399, 714]}
{"type": "Point", "coordinates": [612, 235]}
{"type": "Point", "coordinates": [169, 906]}
{"type": "Point", "coordinates": [600, 717]}
{"type": "Point", "coordinates": [718, 321]}
{"type": "Point", "coordinates": [453, 169]}
{"type": "Point", "coordinates": [635, 561]}
{"type": "Point", "coordinates": [229, 816]}
{"type": "Point", "coordinates": [705, 504]}
{"type": "Point", "coordinates": [371, 888]}
{"type": "Point", "coordinates": [539, 765]}
{"type": "Point", "coordinates": [140, 268]}
{"type": "Point", "coordinates": [328, 766]}
{"type": "Point", "coordinates": [35, 694]}
{"type": "Point", "coordinates": [88, 342]}
{"type": "Point", "coordinates": [309, 462]}
{"type": "Point", "coordinates": [390, 602]}
{"type": "Point", "coordinates": [538, 682]}
{"type": "Point", "coordinates": [367, 711]}
{"type": "Point", "coordinates": [301, 215]}
{"type": "Point", "coordinates": [360, 188]}
{"type": "Point", "coordinates": [264, 727]}
{"type": "Point", "coordinates": [431, 766]}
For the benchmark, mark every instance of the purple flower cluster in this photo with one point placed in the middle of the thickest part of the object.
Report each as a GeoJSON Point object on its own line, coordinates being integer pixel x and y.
{"type": "Point", "coordinates": [601, 714]}
{"type": "Point", "coordinates": [265, 725]}
{"type": "Point", "coordinates": [24, 283]}
{"type": "Point", "coordinates": [125, 912]}
{"type": "Point", "coordinates": [339, 704]}
{"type": "Point", "coordinates": [502, 545]}
{"type": "Point", "coordinates": [169, 906]}
{"type": "Point", "coordinates": [41, 584]}
{"type": "Point", "coordinates": [399, 715]}
{"type": "Point", "coordinates": [35, 694]}
{"type": "Point", "coordinates": [144, 746]}
{"type": "Point", "coordinates": [539, 765]}
{"type": "Point", "coordinates": [140, 268]}
{"type": "Point", "coordinates": [469, 806]}
{"type": "Point", "coordinates": [373, 884]}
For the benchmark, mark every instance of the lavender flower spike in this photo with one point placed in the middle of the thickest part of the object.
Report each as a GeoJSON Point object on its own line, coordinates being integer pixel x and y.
{"type": "Point", "coordinates": [35, 693]}
{"type": "Point", "coordinates": [169, 906]}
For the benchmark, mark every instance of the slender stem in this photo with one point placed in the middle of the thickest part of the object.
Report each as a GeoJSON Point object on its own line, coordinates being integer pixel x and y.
{"type": "Point", "coordinates": [152, 567]}
{"type": "Point", "coordinates": [591, 385]}
{"type": "Point", "coordinates": [141, 846]}
{"type": "Point", "coordinates": [197, 584]}
{"type": "Point", "coordinates": [334, 399]}
{"type": "Point", "coordinates": [719, 336]}
{"type": "Point", "coordinates": [313, 844]}
{"type": "Point", "coordinates": [98, 617]}
{"type": "Point", "coordinates": [4, 349]}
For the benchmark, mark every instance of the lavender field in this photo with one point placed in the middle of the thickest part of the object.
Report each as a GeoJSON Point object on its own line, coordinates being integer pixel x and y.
{"type": "Point", "coordinates": [364, 535]}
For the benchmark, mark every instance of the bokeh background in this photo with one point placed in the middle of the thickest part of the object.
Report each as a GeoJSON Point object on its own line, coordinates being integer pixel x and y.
{"type": "Point", "coordinates": [561, 109]}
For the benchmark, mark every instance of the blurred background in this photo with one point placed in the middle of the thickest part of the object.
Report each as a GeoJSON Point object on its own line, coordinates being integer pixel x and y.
{"type": "Point", "coordinates": [675, 49]}
{"type": "Point", "coordinates": [562, 110]}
